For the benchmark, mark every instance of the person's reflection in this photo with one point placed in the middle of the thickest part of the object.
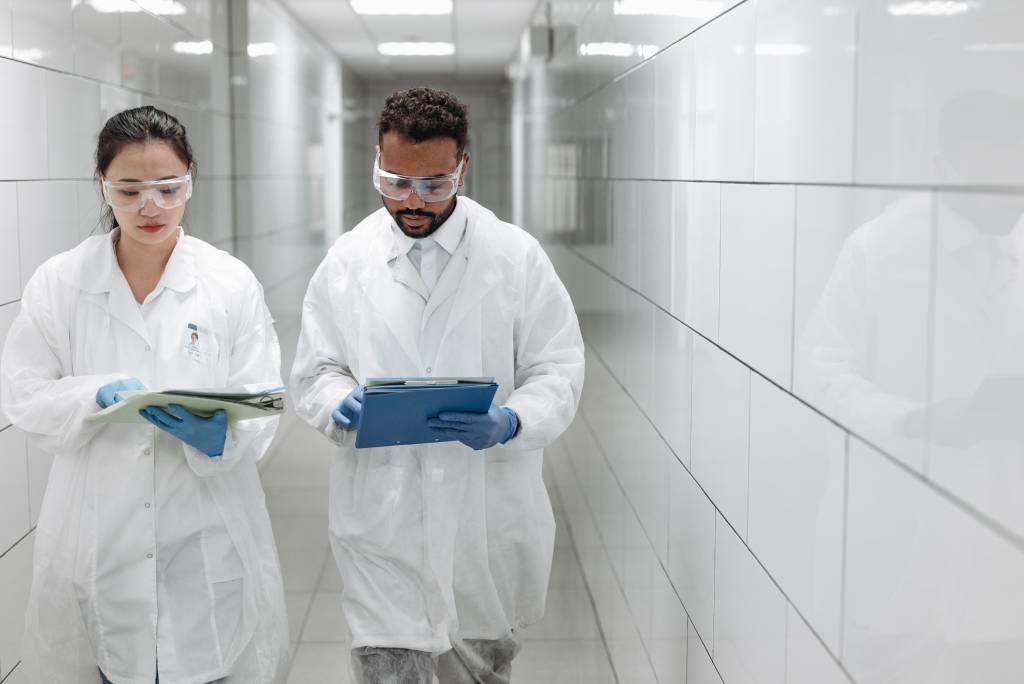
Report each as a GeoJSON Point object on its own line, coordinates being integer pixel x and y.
{"type": "Point", "coordinates": [939, 274]}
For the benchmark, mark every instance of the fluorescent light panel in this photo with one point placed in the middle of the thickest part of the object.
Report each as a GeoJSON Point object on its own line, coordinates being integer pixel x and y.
{"type": "Point", "coordinates": [193, 47]}
{"type": "Point", "coordinates": [402, 7]}
{"type": "Point", "coordinates": [168, 8]}
{"type": "Point", "coordinates": [931, 8]}
{"type": "Point", "coordinates": [416, 49]}
{"type": "Point", "coordinates": [617, 50]}
{"type": "Point", "coordinates": [691, 9]}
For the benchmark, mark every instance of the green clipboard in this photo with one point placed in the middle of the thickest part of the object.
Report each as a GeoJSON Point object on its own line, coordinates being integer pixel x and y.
{"type": "Point", "coordinates": [237, 405]}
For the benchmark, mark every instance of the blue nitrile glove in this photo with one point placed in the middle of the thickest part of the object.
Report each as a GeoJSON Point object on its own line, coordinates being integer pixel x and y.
{"type": "Point", "coordinates": [476, 430]}
{"type": "Point", "coordinates": [205, 434]}
{"type": "Point", "coordinates": [347, 415]}
{"type": "Point", "coordinates": [109, 393]}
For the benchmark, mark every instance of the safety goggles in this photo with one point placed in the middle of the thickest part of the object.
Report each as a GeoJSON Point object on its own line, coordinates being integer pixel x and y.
{"type": "Point", "coordinates": [427, 188]}
{"type": "Point", "coordinates": [166, 194]}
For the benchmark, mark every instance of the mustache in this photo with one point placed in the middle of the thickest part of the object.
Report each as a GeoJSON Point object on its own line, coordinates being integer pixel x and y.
{"type": "Point", "coordinates": [416, 212]}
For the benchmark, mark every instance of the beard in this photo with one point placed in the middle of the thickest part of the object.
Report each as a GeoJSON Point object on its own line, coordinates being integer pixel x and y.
{"type": "Point", "coordinates": [435, 220]}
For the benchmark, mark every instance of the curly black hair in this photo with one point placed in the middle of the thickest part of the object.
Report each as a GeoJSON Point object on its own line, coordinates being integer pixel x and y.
{"type": "Point", "coordinates": [424, 113]}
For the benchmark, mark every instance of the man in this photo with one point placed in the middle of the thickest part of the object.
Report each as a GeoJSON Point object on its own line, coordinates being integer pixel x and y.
{"type": "Point", "coordinates": [444, 549]}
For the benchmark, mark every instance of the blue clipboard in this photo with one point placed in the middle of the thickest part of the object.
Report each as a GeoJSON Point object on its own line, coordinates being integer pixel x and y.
{"type": "Point", "coordinates": [396, 414]}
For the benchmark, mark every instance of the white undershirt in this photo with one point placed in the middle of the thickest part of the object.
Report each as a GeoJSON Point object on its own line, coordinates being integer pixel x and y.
{"type": "Point", "coordinates": [430, 255]}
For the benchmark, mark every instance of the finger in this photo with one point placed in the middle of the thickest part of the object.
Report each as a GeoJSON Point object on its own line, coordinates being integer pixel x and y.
{"type": "Point", "coordinates": [353, 404]}
{"type": "Point", "coordinates": [134, 384]}
{"type": "Point", "coordinates": [447, 425]}
{"type": "Point", "coordinates": [179, 412]}
{"type": "Point", "coordinates": [152, 417]}
{"type": "Point", "coordinates": [341, 420]}
{"type": "Point", "coordinates": [165, 419]}
{"type": "Point", "coordinates": [220, 417]}
{"type": "Point", "coordinates": [459, 417]}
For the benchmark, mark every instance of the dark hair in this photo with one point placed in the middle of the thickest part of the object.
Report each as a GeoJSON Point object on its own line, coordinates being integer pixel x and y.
{"type": "Point", "coordinates": [139, 125]}
{"type": "Point", "coordinates": [424, 113]}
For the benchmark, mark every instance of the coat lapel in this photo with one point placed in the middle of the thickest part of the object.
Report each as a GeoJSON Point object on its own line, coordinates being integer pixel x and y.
{"type": "Point", "coordinates": [481, 273]}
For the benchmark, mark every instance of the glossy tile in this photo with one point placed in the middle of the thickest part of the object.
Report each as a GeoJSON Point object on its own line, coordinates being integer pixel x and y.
{"type": "Point", "coordinates": [958, 124]}
{"type": "Point", "coordinates": [97, 37]}
{"type": "Point", "coordinates": [931, 592]}
{"type": "Point", "coordinates": [696, 255]}
{"type": "Point", "coordinates": [797, 484]}
{"type": "Point", "coordinates": [8, 312]}
{"type": "Point", "coordinates": [15, 581]}
{"type": "Point", "coordinates": [668, 657]}
{"type": "Point", "coordinates": [974, 436]}
{"type": "Point", "coordinates": [47, 222]}
{"type": "Point", "coordinates": [140, 51]}
{"type": "Point", "coordinates": [6, 44]}
{"type": "Point", "coordinates": [14, 520]}
{"type": "Point", "coordinates": [73, 120]}
{"type": "Point", "coordinates": [674, 112]}
{"type": "Point", "coordinates": [807, 660]}
{"type": "Point", "coordinates": [10, 281]}
{"type": "Point", "coordinates": [654, 280]}
{"type": "Point", "coordinates": [862, 302]}
{"type": "Point", "coordinates": [750, 616]}
{"type": "Point", "coordinates": [42, 33]}
{"type": "Point", "coordinates": [691, 551]}
{"type": "Point", "coordinates": [24, 139]}
{"type": "Point", "coordinates": [700, 669]}
{"type": "Point", "coordinates": [572, 661]}
{"type": "Point", "coordinates": [718, 450]}
{"type": "Point", "coordinates": [756, 296]}
{"type": "Point", "coordinates": [805, 54]}
{"type": "Point", "coordinates": [669, 403]}
{"type": "Point", "coordinates": [325, 622]}
{"type": "Point", "coordinates": [725, 92]}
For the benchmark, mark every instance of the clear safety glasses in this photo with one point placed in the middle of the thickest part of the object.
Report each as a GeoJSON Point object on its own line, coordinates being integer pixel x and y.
{"type": "Point", "coordinates": [427, 188]}
{"type": "Point", "coordinates": [166, 194]}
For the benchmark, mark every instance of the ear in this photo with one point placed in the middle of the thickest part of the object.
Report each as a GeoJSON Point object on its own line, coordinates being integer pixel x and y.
{"type": "Point", "coordinates": [465, 165]}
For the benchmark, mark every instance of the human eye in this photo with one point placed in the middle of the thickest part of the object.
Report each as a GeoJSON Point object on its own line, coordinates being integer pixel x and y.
{"type": "Point", "coordinates": [128, 193]}
{"type": "Point", "coordinates": [169, 191]}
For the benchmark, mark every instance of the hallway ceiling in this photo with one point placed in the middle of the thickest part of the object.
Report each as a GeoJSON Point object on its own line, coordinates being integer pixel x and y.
{"type": "Point", "coordinates": [485, 33]}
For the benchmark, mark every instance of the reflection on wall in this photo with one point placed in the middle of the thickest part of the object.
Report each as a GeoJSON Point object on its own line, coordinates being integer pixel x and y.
{"type": "Point", "coordinates": [799, 456]}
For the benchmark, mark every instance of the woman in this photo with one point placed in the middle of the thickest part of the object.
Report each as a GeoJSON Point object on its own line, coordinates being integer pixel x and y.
{"type": "Point", "coordinates": [154, 558]}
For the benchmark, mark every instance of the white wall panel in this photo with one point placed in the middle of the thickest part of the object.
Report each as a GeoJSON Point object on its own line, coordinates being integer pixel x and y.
{"type": "Point", "coordinates": [805, 55]}
{"type": "Point", "coordinates": [47, 222]}
{"type": "Point", "coordinates": [756, 290]}
{"type": "Point", "coordinates": [24, 139]}
{"type": "Point", "coordinates": [691, 550]}
{"type": "Point", "coordinates": [696, 255]}
{"type": "Point", "coordinates": [15, 581]}
{"type": "Point", "coordinates": [6, 44]}
{"type": "Point", "coordinates": [700, 669]}
{"type": "Point", "coordinates": [14, 516]}
{"type": "Point", "coordinates": [932, 595]}
{"type": "Point", "coordinates": [97, 37]}
{"type": "Point", "coordinates": [807, 660]}
{"type": "Point", "coordinates": [797, 485]}
{"type": "Point", "coordinates": [975, 436]}
{"type": "Point", "coordinates": [674, 112]}
{"type": "Point", "coordinates": [718, 450]}
{"type": "Point", "coordinates": [750, 616]}
{"type": "Point", "coordinates": [8, 312]}
{"type": "Point", "coordinates": [73, 119]}
{"type": "Point", "coordinates": [10, 282]}
{"type": "Point", "coordinates": [42, 33]}
{"type": "Point", "coordinates": [952, 117]}
{"type": "Point", "coordinates": [725, 96]}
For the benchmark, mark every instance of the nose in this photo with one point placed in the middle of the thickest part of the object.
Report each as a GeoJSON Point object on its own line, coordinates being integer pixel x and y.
{"type": "Point", "coordinates": [414, 201]}
{"type": "Point", "coordinates": [150, 208]}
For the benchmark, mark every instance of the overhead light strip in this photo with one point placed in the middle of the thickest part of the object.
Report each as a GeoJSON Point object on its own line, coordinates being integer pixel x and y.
{"type": "Point", "coordinates": [416, 49]}
{"type": "Point", "coordinates": [402, 7]}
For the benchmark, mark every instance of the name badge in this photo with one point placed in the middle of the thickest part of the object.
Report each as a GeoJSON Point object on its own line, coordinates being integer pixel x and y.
{"type": "Point", "coordinates": [194, 343]}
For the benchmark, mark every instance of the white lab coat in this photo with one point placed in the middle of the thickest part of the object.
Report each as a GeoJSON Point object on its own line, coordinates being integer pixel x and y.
{"type": "Point", "coordinates": [146, 549]}
{"type": "Point", "coordinates": [438, 542]}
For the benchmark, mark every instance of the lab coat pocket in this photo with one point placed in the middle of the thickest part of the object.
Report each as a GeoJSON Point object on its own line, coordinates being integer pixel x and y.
{"type": "Point", "coordinates": [379, 508]}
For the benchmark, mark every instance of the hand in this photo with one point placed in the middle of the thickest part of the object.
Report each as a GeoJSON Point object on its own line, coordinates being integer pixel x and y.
{"type": "Point", "coordinates": [205, 434]}
{"type": "Point", "coordinates": [347, 415]}
{"type": "Point", "coordinates": [476, 430]}
{"type": "Point", "coordinates": [109, 394]}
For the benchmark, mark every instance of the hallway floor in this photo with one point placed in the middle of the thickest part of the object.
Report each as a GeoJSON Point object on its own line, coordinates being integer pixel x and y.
{"type": "Point", "coordinates": [567, 647]}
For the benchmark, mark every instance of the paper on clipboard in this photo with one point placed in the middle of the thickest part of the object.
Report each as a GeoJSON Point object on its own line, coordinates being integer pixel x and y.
{"type": "Point", "coordinates": [238, 404]}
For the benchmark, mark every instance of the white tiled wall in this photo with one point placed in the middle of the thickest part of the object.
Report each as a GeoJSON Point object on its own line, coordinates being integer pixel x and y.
{"type": "Point", "coordinates": [813, 343]}
{"type": "Point", "coordinates": [65, 67]}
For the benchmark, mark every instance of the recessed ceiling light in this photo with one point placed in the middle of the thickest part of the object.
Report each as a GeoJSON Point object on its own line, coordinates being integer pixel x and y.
{"type": "Point", "coordinates": [931, 8]}
{"type": "Point", "coordinates": [193, 47]}
{"type": "Point", "coordinates": [617, 50]}
{"type": "Point", "coordinates": [691, 9]}
{"type": "Point", "coordinates": [416, 49]}
{"type": "Point", "coordinates": [261, 49]}
{"type": "Point", "coordinates": [408, 7]}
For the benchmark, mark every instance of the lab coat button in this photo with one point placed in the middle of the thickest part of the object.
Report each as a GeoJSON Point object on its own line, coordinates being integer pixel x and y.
{"type": "Point", "coordinates": [148, 348]}
{"type": "Point", "coordinates": [149, 555]}
{"type": "Point", "coordinates": [149, 505]}
{"type": "Point", "coordinates": [429, 371]}
{"type": "Point", "coordinates": [147, 451]}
